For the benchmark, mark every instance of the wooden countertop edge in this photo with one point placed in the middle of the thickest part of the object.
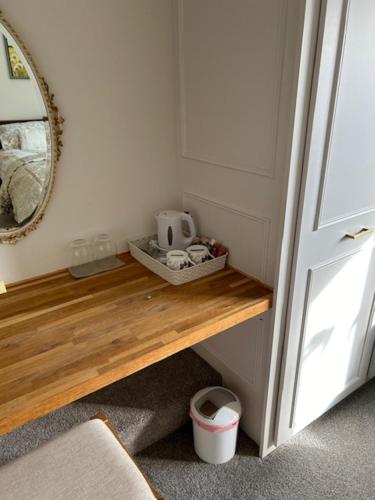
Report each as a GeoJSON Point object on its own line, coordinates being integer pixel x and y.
{"type": "Point", "coordinates": [145, 359]}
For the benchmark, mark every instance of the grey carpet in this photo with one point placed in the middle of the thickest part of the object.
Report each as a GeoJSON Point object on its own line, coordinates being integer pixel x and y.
{"type": "Point", "coordinates": [143, 408]}
{"type": "Point", "coordinates": [333, 458]}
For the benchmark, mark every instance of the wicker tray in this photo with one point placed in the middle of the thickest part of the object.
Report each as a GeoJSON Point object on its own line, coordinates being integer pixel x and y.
{"type": "Point", "coordinates": [174, 277]}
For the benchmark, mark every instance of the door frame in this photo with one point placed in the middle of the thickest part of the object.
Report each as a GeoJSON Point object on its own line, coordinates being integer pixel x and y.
{"type": "Point", "coordinates": [286, 346]}
{"type": "Point", "coordinates": [304, 78]}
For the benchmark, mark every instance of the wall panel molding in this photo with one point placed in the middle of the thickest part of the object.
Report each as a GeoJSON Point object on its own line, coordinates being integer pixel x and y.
{"type": "Point", "coordinates": [242, 212]}
{"type": "Point", "coordinates": [255, 355]}
{"type": "Point", "coordinates": [187, 152]}
{"type": "Point", "coordinates": [262, 222]}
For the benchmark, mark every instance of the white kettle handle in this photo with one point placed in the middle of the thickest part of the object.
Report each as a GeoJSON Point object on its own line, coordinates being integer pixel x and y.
{"type": "Point", "coordinates": [193, 232]}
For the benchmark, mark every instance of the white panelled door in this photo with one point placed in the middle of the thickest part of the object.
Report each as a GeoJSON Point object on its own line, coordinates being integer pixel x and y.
{"type": "Point", "coordinates": [330, 332]}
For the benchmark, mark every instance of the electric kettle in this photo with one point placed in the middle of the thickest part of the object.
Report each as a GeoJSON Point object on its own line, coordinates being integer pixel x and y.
{"type": "Point", "coordinates": [170, 233]}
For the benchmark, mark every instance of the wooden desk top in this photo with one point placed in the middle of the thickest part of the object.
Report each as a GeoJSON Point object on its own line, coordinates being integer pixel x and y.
{"type": "Point", "coordinates": [61, 339]}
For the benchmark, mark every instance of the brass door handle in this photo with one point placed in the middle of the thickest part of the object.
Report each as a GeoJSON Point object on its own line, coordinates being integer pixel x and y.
{"type": "Point", "coordinates": [362, 232]}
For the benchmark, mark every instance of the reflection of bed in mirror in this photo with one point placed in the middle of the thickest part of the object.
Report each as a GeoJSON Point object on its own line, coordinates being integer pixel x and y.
{"type": "Point", "coordinates": [24, 169]}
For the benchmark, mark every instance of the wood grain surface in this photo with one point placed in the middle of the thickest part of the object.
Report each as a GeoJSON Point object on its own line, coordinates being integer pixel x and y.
{"type": "Point", "coordinates": [61, 338]}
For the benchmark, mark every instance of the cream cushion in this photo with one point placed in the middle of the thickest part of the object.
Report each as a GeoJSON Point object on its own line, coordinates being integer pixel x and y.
{"type": "Point", "coordinates": [86, 462]}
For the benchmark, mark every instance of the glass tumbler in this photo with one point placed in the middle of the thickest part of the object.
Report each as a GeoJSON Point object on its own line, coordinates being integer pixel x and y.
{"type": "Point", "coordinates": [81, 252]}
{"type": "Point", "coordinates": [104, 250]}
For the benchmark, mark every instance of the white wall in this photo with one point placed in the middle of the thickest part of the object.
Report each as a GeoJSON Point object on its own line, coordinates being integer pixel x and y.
{"type": "Point", "coordinates": [19, 99]}
{"type": "Point", "coordinates": [110, 65]}
{"type": "Point", "coordinates": [235, 94]}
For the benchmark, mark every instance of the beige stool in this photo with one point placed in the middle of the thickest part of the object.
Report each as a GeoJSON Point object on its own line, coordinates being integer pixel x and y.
{"type": "Point", "coordinates": [87, 462]}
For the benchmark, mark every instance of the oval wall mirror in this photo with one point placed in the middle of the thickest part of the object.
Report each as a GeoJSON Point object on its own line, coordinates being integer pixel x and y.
{"type": "Point", "coordinates": [30, 139]}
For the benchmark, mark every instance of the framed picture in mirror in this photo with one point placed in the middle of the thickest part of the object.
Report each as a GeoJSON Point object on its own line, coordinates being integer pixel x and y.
{"type": "Point", "coordinates": [17, 70]}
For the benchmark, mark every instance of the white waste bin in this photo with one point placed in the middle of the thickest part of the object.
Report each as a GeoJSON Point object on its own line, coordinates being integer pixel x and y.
{"type": "Point", "coordinates": [215, 412]}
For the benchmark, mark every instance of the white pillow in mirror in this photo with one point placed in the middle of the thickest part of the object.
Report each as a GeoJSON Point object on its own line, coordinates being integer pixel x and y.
{"type": "Point", "coordinates": [33, 137]}
{"type": "Point", "coordinates": [33, 140]}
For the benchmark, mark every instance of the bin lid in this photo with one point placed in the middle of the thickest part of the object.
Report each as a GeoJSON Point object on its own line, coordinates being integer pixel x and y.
{"type": "Point", "coordinates": [216, 406]}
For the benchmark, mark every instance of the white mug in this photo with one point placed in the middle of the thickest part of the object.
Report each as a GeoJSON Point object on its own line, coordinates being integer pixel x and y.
{"type": "Point", "coordinates": [177, 260]}
{"type": "Point", "coordinates": [198, 253]}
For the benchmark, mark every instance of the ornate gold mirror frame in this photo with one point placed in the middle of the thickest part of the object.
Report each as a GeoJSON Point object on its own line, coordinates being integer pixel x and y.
{"type": "Point", "coordinates": [56, 126]}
